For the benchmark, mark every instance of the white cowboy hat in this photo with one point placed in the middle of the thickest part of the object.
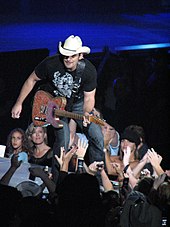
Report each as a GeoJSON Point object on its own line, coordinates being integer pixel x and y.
{"type": "Point", "coordinates": [73, 45]}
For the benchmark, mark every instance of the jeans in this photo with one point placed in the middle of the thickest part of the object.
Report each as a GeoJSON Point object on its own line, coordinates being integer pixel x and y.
{"type": "Point", "coordinates": [93, 133]}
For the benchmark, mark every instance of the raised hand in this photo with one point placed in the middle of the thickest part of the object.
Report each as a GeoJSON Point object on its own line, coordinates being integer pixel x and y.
{"type": "Point", "coordinates": [14, 161]}
{"type": "Point", "coordinates": [117, 167]}
{"type": "Point", "coordinates": [126, 157]}
{"type": "Point", "coordinates": [65, 157]}
{"type": "Point", "coordinates": [95, 166]}
{"type": "Point", "coordinates": [154, 158]}
{"type": "Point", "coordinates": [82, 147]}
{"type": "Point", "coordinates": [60, 159]}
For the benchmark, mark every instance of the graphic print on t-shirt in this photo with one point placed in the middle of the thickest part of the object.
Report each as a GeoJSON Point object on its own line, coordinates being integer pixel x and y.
{"type": "Point", "coordinates": [63, 83]}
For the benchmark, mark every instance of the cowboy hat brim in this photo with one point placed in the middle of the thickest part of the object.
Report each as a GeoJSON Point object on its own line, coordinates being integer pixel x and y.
{"type": "Point", "coordinates": [66, 52]}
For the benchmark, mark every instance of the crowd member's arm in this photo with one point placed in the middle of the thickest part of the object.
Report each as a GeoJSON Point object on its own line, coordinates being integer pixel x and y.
{"type": "Point", "coordinates": [126, 156]}
{"type": "Point", "coordinates": [64, 161]}
{"type": "Point", "coordinates": [73, 135]}
{"type": "Point", "coordinates": [127, 168]}
{"type": "Point", "coordinates": [99, 166]}
{"type": "Point", "coordinates": [15, 164]}
{"type": "Point", "coordinates": [159, 180]}
{"type": "Point", "coordinates": [119, 172]}
{"type": "Point", "coordinates": [110, 168]}
{"type": "Point", "coordinates": [26, 89]}
{"type": "Point", "coordinates": [39, 172]}
{"type": "Point", "coordinates": [132, 179]}
{"type": "Point", "coordinates": [105, 181]}
{"type": "Point", "coordinates": [155, 161]}
{"type": "Point", "coordinates": [65, 158]}
{"type": "Point", "coordinates": [137, 169]}
{"type": "Point", "coordinates": [126, 163]}
{"type": "Point", "coordinates": [135, 173]}
{"type": "Point", "coordinates": [81, 149]}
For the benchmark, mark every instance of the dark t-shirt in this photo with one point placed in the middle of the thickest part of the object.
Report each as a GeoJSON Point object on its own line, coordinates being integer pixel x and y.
{"type": "Point", "coordinates": [45, 160]}
{"type": "Point", "coordinates": [61, 81]}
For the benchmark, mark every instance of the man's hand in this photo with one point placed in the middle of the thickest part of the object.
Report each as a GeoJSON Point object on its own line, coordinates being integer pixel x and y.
{"type": "Point", "coordinates": [16, 111]}
{"type": "Point", "coordinates": [86, 121]}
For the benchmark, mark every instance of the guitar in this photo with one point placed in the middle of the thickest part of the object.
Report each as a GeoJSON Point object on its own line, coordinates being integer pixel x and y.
{"type": "Point", "coordinates": [47, 109]}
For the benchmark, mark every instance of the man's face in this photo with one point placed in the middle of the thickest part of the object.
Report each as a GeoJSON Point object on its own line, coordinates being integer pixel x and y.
{"type": "Point", "coordinates": [70, 62]}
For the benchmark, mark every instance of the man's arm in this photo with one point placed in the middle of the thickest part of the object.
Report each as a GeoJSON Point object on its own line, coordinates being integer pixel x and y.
{"type": "Point", "coordinates": [89, 101]}
{"type": "Point", "coordinates": [26, 89]}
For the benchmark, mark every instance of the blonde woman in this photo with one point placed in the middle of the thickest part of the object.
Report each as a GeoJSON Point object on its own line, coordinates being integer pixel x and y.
{"type": "Point", "coordinates": [41, 153]}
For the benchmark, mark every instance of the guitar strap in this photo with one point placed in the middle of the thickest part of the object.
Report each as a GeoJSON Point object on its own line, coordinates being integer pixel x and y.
{"type": "Point", "coordinates": [79, 72]}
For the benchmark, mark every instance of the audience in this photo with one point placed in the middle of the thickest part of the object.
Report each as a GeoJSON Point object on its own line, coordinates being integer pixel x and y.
{"type": "Point", "coordinates": [79, 198]}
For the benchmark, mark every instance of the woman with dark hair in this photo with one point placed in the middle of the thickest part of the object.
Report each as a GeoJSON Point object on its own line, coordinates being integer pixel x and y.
{"type": "Point", "coordinates": [17, 143]}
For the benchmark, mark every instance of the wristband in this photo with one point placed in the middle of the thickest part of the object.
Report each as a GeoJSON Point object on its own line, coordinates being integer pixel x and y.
{"type": "Point", "coordinates": [125, 169]}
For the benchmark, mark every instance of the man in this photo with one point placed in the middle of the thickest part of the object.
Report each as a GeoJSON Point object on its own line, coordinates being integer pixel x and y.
{"type": "Point", "coordinates": [71, 76]}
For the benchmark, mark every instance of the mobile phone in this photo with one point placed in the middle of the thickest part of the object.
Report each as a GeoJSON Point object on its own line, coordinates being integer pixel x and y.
{"type": "Point", "coordinates": [31, 177]}
{"type": "Point", "coordinates": [100, 165]}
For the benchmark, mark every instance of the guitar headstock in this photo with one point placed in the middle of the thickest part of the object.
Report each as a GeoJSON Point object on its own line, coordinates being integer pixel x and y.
{"type": "Point", "coordinates": [96, 120]}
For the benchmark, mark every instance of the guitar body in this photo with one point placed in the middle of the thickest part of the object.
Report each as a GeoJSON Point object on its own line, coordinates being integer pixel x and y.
{"type": "Point", "coordinates": [47, 109]}
{"type": "Point", "coordinates": [42, 109]}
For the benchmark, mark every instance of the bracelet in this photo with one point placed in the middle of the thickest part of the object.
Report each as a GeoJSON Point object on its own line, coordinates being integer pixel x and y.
{"type": "Point", "coordinates": [104, 150]}
{"type": "Point", "coordinates": [125, 169]}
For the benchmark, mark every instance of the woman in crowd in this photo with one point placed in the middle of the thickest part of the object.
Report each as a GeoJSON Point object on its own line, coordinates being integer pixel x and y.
{"type": "Point", "coordinates": [129, 143]}
{"type": "Point", "coordinates": [41, 153]}
{"type": "Point", "coordinates": [17, 143]}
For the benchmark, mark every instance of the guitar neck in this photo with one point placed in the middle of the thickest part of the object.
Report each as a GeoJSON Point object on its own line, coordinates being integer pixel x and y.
{"type": "Point", "coordinates": [67, 114]}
